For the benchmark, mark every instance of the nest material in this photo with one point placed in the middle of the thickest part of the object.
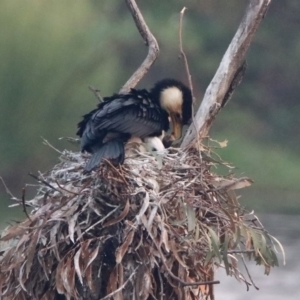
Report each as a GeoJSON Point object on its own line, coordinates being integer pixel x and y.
{"type": "Point", "coordinates": [146, 230]}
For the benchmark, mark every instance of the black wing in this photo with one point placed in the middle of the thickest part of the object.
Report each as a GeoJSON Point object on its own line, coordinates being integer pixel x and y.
{"type": "Point", "coordinates": [112, 150]}
{"type": "Point", "coordinates": [134, 114]}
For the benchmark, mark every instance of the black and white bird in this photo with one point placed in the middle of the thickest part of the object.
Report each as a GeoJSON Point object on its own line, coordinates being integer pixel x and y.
{"type": "Point", "coordinates": [139, 113]}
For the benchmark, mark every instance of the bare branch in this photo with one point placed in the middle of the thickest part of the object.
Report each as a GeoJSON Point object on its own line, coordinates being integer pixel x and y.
{"type": "Point", "coordinates": [187, 69]}
{"type": "Point", "coordinates": [182, 54]}
{"type": "Point", "coordinates": [150, 41]}
{"type": "Point", "coordinates": [229, 67]}
{"type": "Point", "coordinates": [97, 93]}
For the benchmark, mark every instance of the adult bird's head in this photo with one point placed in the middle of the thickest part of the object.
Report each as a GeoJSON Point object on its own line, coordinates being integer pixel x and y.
{"type": "Point", "coordinates": [175, 98]}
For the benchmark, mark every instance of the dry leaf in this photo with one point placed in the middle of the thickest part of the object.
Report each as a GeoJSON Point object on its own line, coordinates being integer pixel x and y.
{"type": "Point", "coordinates": [231, 184]}
{"type": "Point", "coordinates": [122, 215]}
{"type": "Point", "coordinates": [122, 250]}
{"type": "Point", "coordinates": [77, 265]}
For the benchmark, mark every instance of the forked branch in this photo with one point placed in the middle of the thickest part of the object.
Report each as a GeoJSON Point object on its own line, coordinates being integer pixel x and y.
{"type": "Point", "coordinates": [150, 41]}
{"type": "Point", "coordinates": [228, 70]}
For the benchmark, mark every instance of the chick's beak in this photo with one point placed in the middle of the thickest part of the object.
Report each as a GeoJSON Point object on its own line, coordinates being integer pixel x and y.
{"type": "Point", "coordinates": [177, 126]}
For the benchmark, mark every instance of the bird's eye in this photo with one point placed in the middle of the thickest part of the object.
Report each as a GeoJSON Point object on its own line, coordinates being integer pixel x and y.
{"type": "Point", "coordinates": [153, 149]}
{"type": "Point", "coordinates": [178, 116]}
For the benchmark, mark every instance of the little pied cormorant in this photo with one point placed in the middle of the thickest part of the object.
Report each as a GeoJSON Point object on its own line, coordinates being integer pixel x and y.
{"type": "Point", "coordinates": [139, 113]}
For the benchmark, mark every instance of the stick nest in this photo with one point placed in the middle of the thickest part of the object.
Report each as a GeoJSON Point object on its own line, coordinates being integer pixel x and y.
{"type": "Point", "coordinates": [154, 228]}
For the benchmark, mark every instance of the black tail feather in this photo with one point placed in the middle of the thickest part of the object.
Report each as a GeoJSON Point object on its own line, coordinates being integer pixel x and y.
{"type": "Point", "coordinates": [112, 150]}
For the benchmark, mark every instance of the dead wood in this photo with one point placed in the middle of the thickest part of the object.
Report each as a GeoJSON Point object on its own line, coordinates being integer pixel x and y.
{"type": "Point", "coordinates": [228, 69]}
{"type": "Point", "coordinates": [149, 40]}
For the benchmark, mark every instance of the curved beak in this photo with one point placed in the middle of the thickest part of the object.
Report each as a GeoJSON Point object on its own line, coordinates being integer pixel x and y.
{"type": "Point", "coordinates": [177, 126]}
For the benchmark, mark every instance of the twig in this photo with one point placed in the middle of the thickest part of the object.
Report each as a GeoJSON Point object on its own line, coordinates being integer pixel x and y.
{"type": "Point", "coordinates": [48, 144]}
{"type": "Point", "coordinates": [248, 273]}
{"type": "Point", "coordinates": [161, 286]}
{"type": "Point", "coordinates": [183, 55]}
{"type": "Point", "coordinates": [238, 275]}
{"type": "Point", "coordinates": [184, 283]}
{"type": "Point", "coordinates": [181, 282]}
{"type": "Point", "coordinates": [116, 170]}
{"type": "Point", "coordinates": [231, 62]}
{"type": "Point", "coordinates": [7, 189]}
{"type": "Point", "coordinates": [71, 140]}
{"type": "Point", "coordinates": [121, 287]}
{"type": "Point", "coordinates": [96, 93]}
{"type": "Point", "coordinates": [66, 190]}
{"type": "Point", "coordinates": [239, 251]}
{"type": "Point", "coordinates": [150, 41]}
{"type": "Point", "coordinates": [23, 203]}
{"type": "Point", "coordinates": [98, 222]}
{"type": "Point", "coordinates": [44, 182]}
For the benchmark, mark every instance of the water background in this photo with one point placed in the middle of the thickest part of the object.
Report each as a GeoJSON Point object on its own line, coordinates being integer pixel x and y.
{"type": "Point", "coordinates": [283, 282]}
